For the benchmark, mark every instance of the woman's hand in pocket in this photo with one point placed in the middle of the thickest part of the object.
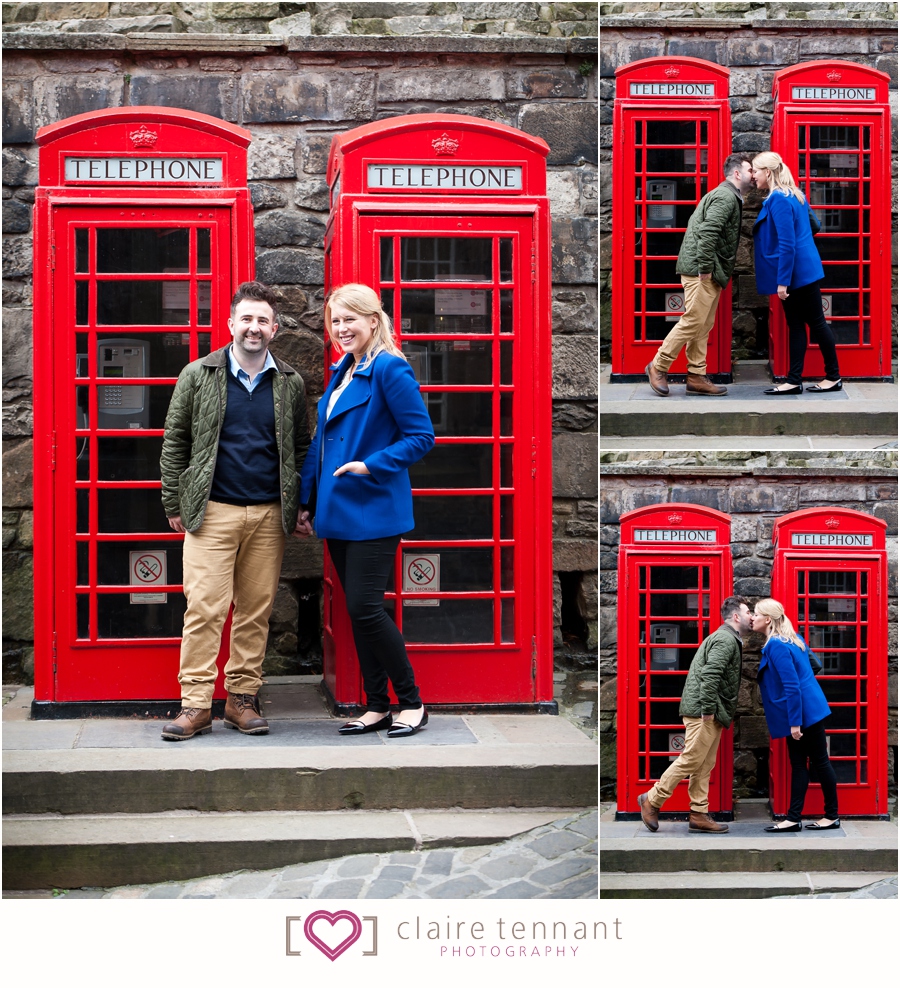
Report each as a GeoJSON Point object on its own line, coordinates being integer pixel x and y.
{"type": "Point", "coordinates": [354, 466]}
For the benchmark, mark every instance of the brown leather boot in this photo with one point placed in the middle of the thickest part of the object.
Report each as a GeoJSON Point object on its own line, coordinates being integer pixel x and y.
{"type": "Point", "coordinates": [705, 823]}
{"type": "Point", "coordinates": [191, 721]}
{"type": "Point", "coordinates": [659, 380]}
{"type": "Point", "coordinates": [649, 813]}
{"type": "Point", "coordinates": [700, 384]}
{"type": "Point", "coordinates": [242, 714]}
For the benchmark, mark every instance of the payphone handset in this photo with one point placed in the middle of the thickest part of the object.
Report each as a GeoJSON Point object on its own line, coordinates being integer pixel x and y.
{"type": "Point", "coordinates": [660, 216]}
{"type": "Point", "coordinates": [118, 406]}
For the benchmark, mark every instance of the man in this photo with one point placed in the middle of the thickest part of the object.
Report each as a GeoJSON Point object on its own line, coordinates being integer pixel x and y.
{"type": "Point", "coordinates": [705, 263]}
{"type": "Point", "coordinates": [235, 438]}
{"type": "Point", "coordinates": [707, 707]}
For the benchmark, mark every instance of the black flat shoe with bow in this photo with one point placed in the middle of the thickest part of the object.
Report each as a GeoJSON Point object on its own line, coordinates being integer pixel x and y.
{"type": "Point", "coordinates": [358, 727]}
{"type": "Point", "coordinates": [794, 390]}
{"type": "Point", "coordinates": [775, 829]}
{"type": "Point", "coordinates": [407, 730]}
{"type": "Point", "coordinates": [828, 826]}
{"type": "Point", "coordinates": [837, 386]}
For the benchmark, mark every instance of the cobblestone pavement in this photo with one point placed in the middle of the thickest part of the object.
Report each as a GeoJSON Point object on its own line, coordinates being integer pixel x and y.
{"type": "Point", "coordinates": [557, 861]}
{"type": "Point", "coordinates": [886, 889]}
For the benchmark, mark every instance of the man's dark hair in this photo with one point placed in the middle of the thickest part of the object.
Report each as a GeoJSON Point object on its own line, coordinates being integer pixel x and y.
{"type": "Point", "coordinates": [735, 160]}
{"type": "Point", "coordinates": [732, 604]}
{"type": "Point", "coordinates": [255, 291]}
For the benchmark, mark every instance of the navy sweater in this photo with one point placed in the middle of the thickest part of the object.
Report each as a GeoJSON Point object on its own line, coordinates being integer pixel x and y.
{"type": "Point", "coordinates": [247, 463]}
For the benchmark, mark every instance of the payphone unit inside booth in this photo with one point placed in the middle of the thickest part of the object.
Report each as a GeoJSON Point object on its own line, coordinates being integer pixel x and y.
{"type": "Point", "coordinates": [447, 218]}
{"type": "Point", "coordinates": [832, 126]}
{"type": "Point", "coordinates": [830, 573]}
{"type": "Point", "coordinates": [143, 228]}
{"type": "Point", "coordinates": [674, 572]}
{"type": "Point", "coordinates": [672, 127]}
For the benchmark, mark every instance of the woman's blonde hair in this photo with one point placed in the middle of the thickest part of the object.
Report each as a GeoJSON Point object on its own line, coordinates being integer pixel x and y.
{"type": "Point", "coordinates": [780, 626]}
{"type": "Point", "coordinates": [363, 300]}
{"type": "Point", "coordinates": [780, 176]}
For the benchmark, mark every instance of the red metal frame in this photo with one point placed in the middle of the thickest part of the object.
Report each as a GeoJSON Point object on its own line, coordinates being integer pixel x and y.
{"type": "Point", "coordinates": [645, 249]}
{"type": "Point", "coordinates": [72, 661]}
{"type": "Point", "coordinates": [505, 668]}
{"type": "Point", "coordinates": [660, 558]}
{"type": "Point", "coordinates": [835, 595]}
{"type": "Point", "coordinates": [852, 200]}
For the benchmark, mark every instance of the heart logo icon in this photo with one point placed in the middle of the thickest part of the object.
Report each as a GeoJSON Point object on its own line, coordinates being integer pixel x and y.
{"type": "Point", "coordinates": [332, 953]}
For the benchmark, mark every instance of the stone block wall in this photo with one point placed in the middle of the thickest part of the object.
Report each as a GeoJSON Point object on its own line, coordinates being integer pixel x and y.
{"type": "Point", "coordinates": [293, 93]}
{"type": "Point", "coordinates": [754, 40]}
{"type": "Point", "coordinates": [755, 488]}
{"type": "Point", "coordinates": [551, 20]}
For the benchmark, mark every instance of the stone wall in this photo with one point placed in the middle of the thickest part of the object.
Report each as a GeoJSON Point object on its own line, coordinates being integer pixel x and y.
{"type": "Point", "coordinates": [755, 488]}
{"type": "Point", "coordinates": [552, 20]}
{"type": "Point", "coordinates": [753, 40]}
{"type": "Point", "coordinates": [293, 93]}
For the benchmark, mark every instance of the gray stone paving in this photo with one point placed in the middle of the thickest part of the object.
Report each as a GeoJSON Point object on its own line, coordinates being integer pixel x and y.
{"type": "Point", "coordinates": [557, 861]}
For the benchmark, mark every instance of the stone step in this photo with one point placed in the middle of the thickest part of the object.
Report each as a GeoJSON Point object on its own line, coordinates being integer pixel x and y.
{"type": "Point", "coordinates": [477, 762]}
{"type": "Point", "coordinates": [847, 852]}
{"type": "Point", "coordinates": [95, 781]}
{"type": "Point", "coordinates": [93, 850]}
{"type": "Point", "coordinates": [700, 416]}
{"type": "Point", "coordinates": [734, 885]}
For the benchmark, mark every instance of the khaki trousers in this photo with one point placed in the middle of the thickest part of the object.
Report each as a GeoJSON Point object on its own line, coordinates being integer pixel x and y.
{"type": "Point", "coordinates": [701, 298]}
{"type": "Point", "coordinates": [235, 555]}
{"type": "Point", "coordinates": [701, 742]}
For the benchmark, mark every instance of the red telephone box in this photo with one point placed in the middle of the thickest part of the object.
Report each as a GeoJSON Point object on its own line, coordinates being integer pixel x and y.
{"type": "Point", "coordinates": [447, 217]}
{"type": "Point", "coordinates": [832, 126]}
{"type": "Point", "coordinates": [143, 227]}
{"type": "Point", "coordinates": [674, 574]}
{"type": "Point", "coordinates": [672, 134]}
{"type": "Point", "coordinates": [830, 574]}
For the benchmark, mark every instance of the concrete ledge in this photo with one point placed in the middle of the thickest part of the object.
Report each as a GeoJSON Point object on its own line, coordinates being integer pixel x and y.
{"type": "Point", "coordinates": [323, 44]}
{"type": "Point", "coordinates": [742, 885]}
{"type": "Point", "coordinates": [778, 854]}
{"type": "Point", "coordinates": [702, 470]}
{"type": "Point", "coordinates": [788, 25]}
{"type": "Point", "coordinates": [151, 781]}
{"type": "Point", "coordinates": [132, 849]}
{"type": "Point", "coordinates": [699, 417]}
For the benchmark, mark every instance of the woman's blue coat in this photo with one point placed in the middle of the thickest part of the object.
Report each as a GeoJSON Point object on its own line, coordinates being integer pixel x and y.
{"type": "Point", "coordinates": [380, 419]}
{"type": "Point", "coordinates": [784, 252]}
{"type": "Point", "coordinates": [789, 690]}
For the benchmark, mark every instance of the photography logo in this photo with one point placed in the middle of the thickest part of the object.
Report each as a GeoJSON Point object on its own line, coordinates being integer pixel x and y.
{"type": "Point", "coordinates": [331, 933]}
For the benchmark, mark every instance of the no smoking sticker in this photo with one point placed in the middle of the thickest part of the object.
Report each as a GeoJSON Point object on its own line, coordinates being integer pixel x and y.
{"type": "Point", "coordinates": [147, 568]}
{"type": "Point", "coordinates": [422, 575]}
{"type": "Point", "coordinates": [674, 303]}
{"type": "Point", "coordinates": [676, 745]}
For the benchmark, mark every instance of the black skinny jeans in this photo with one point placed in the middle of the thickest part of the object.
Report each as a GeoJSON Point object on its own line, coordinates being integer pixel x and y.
{"type": "Point", "coordinates": [363, 569]}
{"type": "Point", "coordinates": [811, 749]}
{"type": "Point", "coordinates": [802, 308]}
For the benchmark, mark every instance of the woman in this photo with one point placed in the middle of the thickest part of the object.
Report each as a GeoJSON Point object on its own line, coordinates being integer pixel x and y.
{"type": "Point", "coordinates": [372, 426]}
{"type": "Point", "coordinates": [788, 264]}
{"type": "Point", "coordinates": [795, 709]}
